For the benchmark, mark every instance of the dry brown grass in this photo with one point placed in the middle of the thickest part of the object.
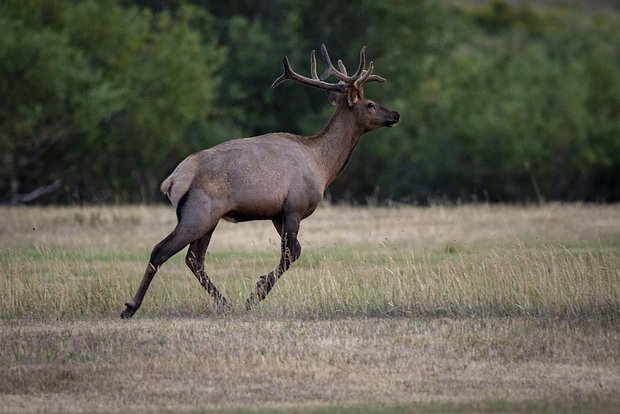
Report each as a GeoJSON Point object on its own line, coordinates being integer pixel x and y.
{"type": "Point", "coordinates": [178, 364]}
{"type": "Point", "coordinates": [468, 261]}
{"type": "Point", "coordinates": [465, 309]}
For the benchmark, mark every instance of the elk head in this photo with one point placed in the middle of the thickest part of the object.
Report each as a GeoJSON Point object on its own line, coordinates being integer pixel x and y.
{"type": "Point", "coordinates": [348, 92]}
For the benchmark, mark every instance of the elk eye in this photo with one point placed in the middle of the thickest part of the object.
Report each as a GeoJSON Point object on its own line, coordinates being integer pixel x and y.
{"type": "Point", "coordinates": [371, 105]}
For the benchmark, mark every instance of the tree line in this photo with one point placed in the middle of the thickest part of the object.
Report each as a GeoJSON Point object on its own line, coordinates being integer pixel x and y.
{"type": "Point", "coordinates": [101, 99]}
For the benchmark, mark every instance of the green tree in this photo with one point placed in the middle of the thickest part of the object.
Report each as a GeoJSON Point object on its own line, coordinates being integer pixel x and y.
{"type": "Point", "coordinates": [100, 95]}
{"type": "Point", "coordinates": [100, 100]}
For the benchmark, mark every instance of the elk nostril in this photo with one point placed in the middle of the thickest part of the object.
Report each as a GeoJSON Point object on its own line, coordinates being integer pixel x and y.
{"type": "Point", "coordinates": [395, 119]}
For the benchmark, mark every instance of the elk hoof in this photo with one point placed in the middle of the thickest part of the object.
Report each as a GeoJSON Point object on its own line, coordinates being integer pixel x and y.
{"type": "Point", "coordinates": [224, 309]}
{"type": "Point", "coordinates": [130, 309]}
{"type": "Point", "coordinates": [250, 302]}
{"type": "Point", "coordinates": [223, 306]}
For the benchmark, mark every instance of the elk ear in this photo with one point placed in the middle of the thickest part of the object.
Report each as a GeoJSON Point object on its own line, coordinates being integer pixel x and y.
{"type": "Point", "coordinates": [331, 97]}
{"type": "Point", "coordinates": [352, 97]}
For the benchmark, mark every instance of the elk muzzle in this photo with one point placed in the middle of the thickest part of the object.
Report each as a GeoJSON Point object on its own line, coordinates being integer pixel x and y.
{"type": "Point", "coordinates": [392, 119]}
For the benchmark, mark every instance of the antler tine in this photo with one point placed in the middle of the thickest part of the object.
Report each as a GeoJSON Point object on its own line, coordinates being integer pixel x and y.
{"type": "Point", "coordinates": [289, 74]}
{"type": "Point", "coordinates": [367, 76]}
{"type": "Point", "coordinates": [328, 64]}
{"type": "Point", "coordinates": [330, 69]}
{"type": "Point", "coordinates": [313, 65]}
{"type": "Point", "coordinates": [360, 67]}
{"type": "Point", "coordinates": [342, 75]}
{"type": "Point", "coordinates": [375, 78]}
{"type": "Point", "coordinates": [285, 75]}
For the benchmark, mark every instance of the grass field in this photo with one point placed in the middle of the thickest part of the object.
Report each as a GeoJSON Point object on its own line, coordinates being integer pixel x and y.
{"type": "Point", "coordinates": [441, 309]}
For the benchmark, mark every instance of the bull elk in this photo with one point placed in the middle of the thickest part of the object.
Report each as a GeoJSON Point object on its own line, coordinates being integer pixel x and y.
{"type": "Point", "coordinates": [279, 177]}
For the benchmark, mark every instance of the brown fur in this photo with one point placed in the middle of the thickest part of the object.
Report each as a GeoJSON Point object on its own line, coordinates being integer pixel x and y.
{"type": "Point", "coordinates": [180, 180]}
{"type": "Point", "coordinates": [279, 177]}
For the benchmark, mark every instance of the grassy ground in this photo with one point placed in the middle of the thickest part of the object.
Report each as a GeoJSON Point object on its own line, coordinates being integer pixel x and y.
{"type": "Point", "coordinates": [465, 309]}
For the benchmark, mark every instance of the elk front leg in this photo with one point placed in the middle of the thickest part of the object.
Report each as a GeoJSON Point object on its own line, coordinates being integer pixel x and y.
{"type": "Point", "coordinates": [290, 251]}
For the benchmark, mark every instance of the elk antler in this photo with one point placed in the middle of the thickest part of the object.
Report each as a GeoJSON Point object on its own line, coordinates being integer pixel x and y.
{"type": "Point", "coordinates": [360, 78]}
{"type": "Point", "coordinates": [289, 74]}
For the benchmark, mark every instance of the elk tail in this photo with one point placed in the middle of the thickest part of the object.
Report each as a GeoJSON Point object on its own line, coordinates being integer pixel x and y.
{"type": "Point", "coordinates": [178, 183]}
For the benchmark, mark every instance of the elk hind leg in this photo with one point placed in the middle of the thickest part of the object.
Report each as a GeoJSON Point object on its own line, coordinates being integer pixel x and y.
{"type": "Point", "coordinates": [190, 227]}
{"type": "Point", "coordinates": [195, 261]}
{"type": "Point", "coordinates": [165, 249]}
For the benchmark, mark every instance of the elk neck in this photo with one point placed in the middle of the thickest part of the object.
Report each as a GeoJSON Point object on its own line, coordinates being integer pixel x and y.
{"type": "Point", "coordinates": [335, 143]}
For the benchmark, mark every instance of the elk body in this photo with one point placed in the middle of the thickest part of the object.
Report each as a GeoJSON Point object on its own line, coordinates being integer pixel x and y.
{"type": "Point", "coordinates": [279, 177]}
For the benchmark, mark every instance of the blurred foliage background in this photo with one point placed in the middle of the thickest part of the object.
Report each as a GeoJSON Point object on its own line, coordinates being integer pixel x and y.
{"type": "Point", "coordinates": [500, 101]}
